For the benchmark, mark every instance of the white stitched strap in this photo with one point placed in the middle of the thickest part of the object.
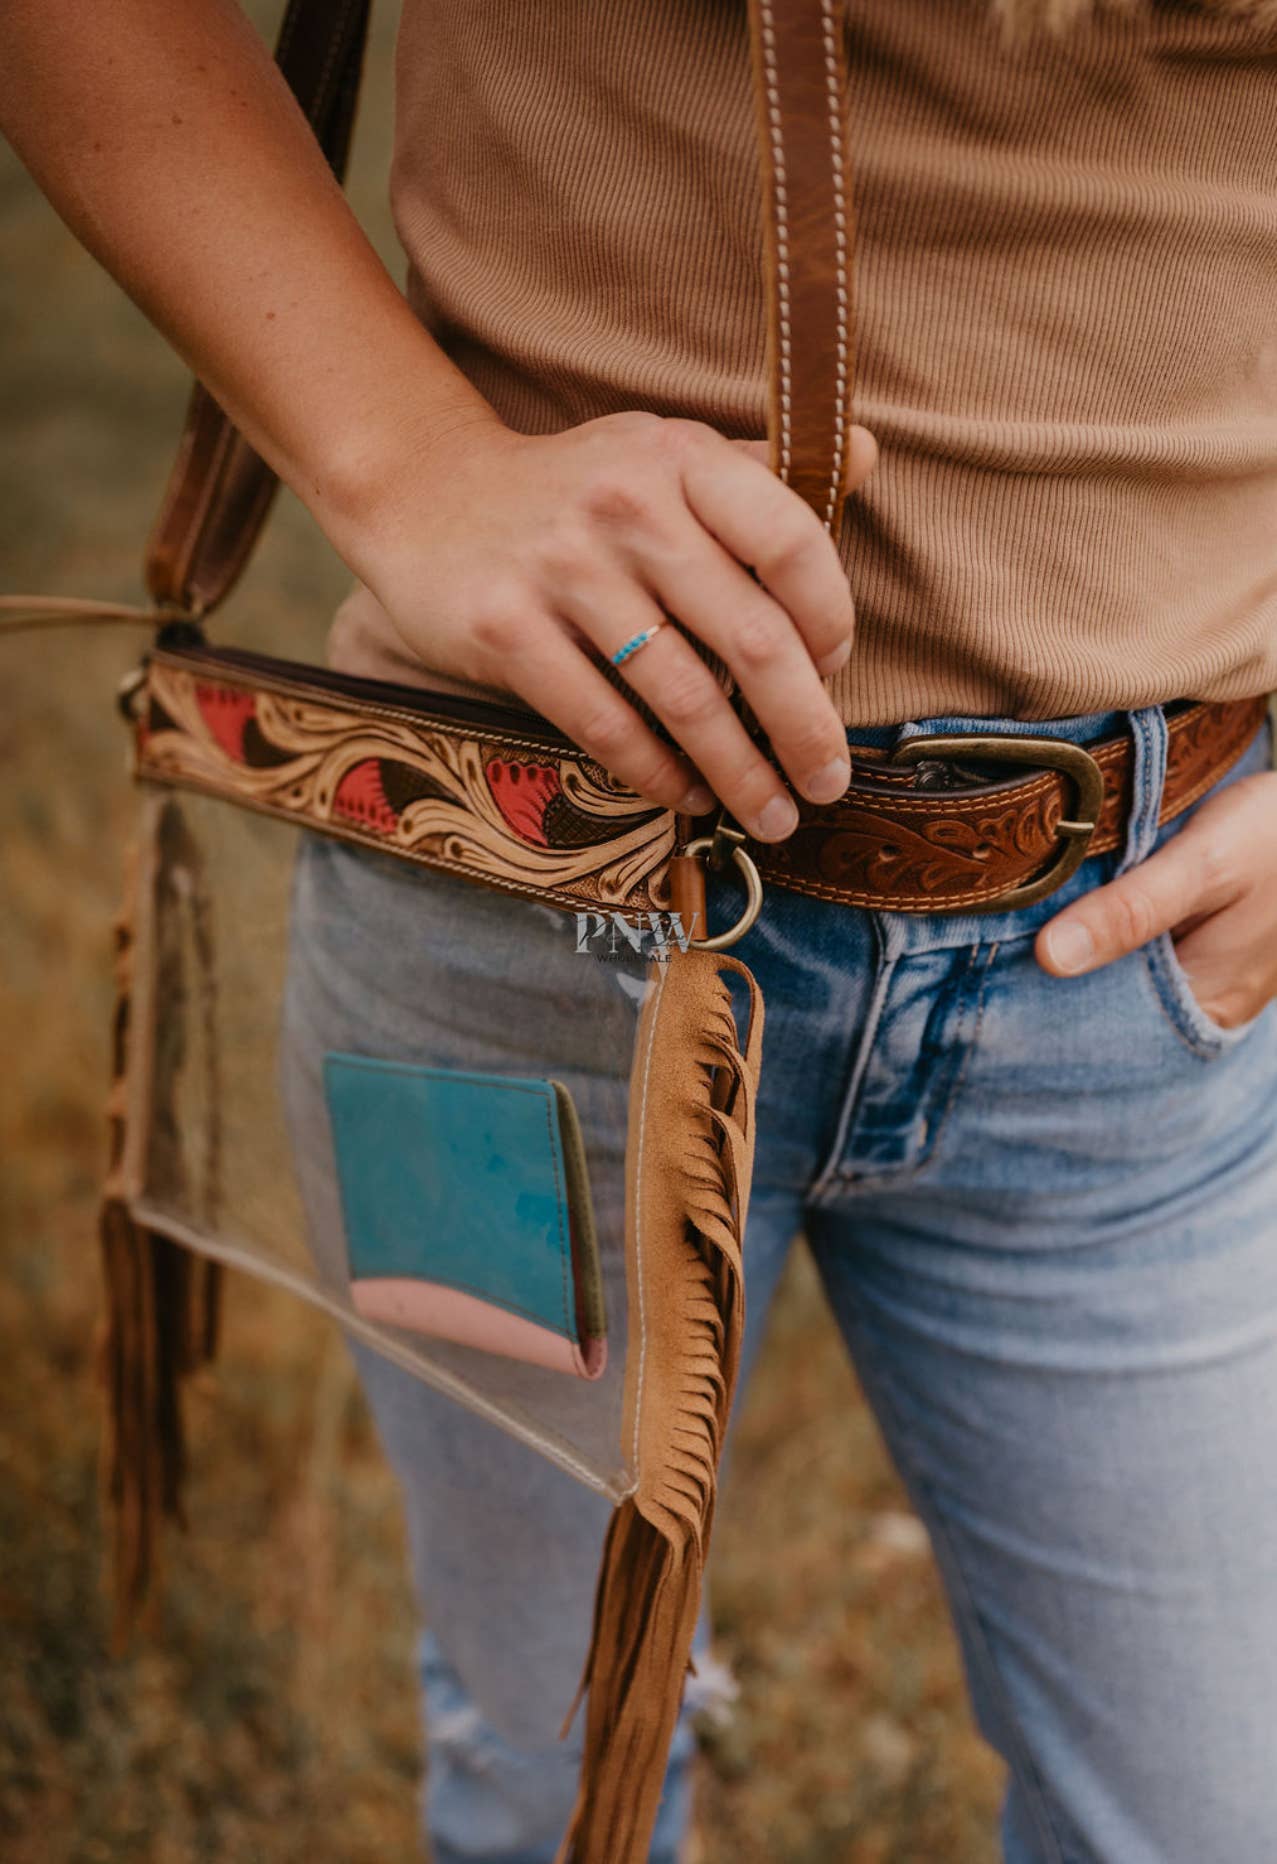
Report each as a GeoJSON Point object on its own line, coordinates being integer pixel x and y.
{"type": "Point", "coordinates": [775, 121]}
{"type": "Point", "coordinates": [842, 411]}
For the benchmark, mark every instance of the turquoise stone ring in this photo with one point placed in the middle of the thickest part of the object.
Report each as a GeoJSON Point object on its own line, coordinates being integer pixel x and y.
{"type": "Point", "coordinates": [635, 641]}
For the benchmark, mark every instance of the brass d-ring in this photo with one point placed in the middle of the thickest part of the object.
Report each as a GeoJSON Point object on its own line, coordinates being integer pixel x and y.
{"type": "Point", "coordinates": [753, 902]}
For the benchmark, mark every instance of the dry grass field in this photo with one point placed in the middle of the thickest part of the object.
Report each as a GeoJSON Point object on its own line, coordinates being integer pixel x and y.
{"type": "Point", "coordinates": [273, 1717]}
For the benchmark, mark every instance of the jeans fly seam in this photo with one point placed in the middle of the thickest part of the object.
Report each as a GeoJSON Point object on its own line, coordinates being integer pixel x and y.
{"type": "Point", "coordinates": [828, 1173]}
{"type": "Point", "coordinates": [870, 1181]}
{"type": "Point", "coordinates": [960, 1072]}
{"type": "Point", "coordinates": [1021, 1760]}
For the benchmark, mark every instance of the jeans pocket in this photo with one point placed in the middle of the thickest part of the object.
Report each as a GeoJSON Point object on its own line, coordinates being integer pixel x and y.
{"type": "Point", "coordinates": [1195, 1027]}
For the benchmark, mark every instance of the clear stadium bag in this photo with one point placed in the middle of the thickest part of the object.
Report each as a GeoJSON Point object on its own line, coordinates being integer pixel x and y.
{"type": "Point", "coordinates": [401, 1095]}
{"type": "Point", "coordinates": [501, 1131]}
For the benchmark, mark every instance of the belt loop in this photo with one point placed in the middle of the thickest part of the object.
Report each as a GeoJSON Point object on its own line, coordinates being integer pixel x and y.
{"type": "Point", "coordinates": [1148, 777]}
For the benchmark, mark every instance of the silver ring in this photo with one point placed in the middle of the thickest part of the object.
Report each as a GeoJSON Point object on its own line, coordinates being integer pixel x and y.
{"type": "Point", "coordinates": [631, 647]}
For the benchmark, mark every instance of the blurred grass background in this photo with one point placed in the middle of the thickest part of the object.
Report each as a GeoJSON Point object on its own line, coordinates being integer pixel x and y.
{"type": "Point", "coordinates": [275, 1714]}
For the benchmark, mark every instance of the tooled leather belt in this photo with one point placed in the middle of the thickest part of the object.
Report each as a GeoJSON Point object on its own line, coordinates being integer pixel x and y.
{"type": "Point", "coordinates": [940, 825]}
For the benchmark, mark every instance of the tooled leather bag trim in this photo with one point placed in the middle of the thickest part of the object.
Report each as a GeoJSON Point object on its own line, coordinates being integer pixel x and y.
{"type": "Point", "coordinates": [521, 813]}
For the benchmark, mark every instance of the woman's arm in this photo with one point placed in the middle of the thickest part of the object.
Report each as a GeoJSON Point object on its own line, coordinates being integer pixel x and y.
{"type": "Point", "coordinates": [165, 136]}
{"type": "Point", "coordinates": [163, 133]}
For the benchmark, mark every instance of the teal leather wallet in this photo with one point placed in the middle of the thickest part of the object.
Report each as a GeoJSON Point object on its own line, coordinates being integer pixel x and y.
{"type": "Point", "coordinates": [467, 1209]}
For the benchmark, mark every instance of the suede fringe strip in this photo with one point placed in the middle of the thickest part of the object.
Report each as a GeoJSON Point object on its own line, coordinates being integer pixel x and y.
{"type": "Point", "coordinates": [688, 1164]}
{"type": "Point", "coordinates": [162, 1302]}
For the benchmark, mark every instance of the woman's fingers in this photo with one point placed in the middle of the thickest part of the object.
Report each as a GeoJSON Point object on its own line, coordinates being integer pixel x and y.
{"type": "Point", "coordinates": [762, 523]}
{"type": "Point", "coordinates": [768, 528]}
{"type": "Point", "coordinates": [690, 558]}
{"type": "Point", "coordinates": [721, 604]}
{"type": "Point", "coordinates": [552, 674]}
{"type": "Point", "coordinates": [862, 458]}
{"type": "Point", "coordinates": [1183, 879]}
{"type": "Point", "coordinates": [673, 680]}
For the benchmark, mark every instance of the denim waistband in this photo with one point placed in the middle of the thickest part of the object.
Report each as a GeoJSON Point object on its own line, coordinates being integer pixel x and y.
{"type": "Point", "coordinates": [1075, 730]}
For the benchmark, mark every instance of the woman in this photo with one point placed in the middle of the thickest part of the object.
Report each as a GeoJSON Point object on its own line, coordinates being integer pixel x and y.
{"type": "Point", "coordinates": [1034, 1151]}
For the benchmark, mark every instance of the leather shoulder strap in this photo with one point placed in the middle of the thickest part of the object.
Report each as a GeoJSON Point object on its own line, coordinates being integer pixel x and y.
{"type": "Point", "coordinates": [219, 490]}
{"type": "Point", "coordinates": [804, 122]}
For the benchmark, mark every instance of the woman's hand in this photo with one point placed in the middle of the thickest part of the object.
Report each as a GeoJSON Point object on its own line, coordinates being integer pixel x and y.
{"type": "Point", "coordinates": [516, 562]}
{"type": "Point", "coordinates": [1213, 886]}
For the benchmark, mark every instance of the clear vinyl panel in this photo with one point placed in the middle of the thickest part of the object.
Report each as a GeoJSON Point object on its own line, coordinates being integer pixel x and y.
{"type": "Point", "coordinates": [400, 1094]}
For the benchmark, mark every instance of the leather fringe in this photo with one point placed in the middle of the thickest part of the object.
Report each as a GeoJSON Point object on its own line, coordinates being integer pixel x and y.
{"type": "Point", "coordinates": [162, 1303]}
{"type": "Point", "coordinates": [162, 1321]}
{"type": "Point", "coordinates": [689, 1159]}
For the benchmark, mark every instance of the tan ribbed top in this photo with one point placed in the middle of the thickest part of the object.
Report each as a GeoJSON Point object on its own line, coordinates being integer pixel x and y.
{"type": "Point", "coordinates": [1066, 307]}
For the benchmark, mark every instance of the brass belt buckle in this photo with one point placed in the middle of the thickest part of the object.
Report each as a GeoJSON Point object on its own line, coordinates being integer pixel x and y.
{"type": "Point", "coordinates": [1071, 760]}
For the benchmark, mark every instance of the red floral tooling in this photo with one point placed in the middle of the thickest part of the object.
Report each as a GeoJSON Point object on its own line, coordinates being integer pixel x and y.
{"type": "Point", "coordinates": [361, 797]}
{"type": "Point", "coordinates": [227, 713]}
{"type": "Point", "coordinates": [523, 793]}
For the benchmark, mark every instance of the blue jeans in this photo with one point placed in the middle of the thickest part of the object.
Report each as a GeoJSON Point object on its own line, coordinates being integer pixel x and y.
{"type": "Point", "coordinates": [1044, 1212]}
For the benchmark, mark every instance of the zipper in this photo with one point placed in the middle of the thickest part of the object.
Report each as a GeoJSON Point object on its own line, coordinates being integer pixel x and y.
{"type": "Point", "coordinates": [303, 679]}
